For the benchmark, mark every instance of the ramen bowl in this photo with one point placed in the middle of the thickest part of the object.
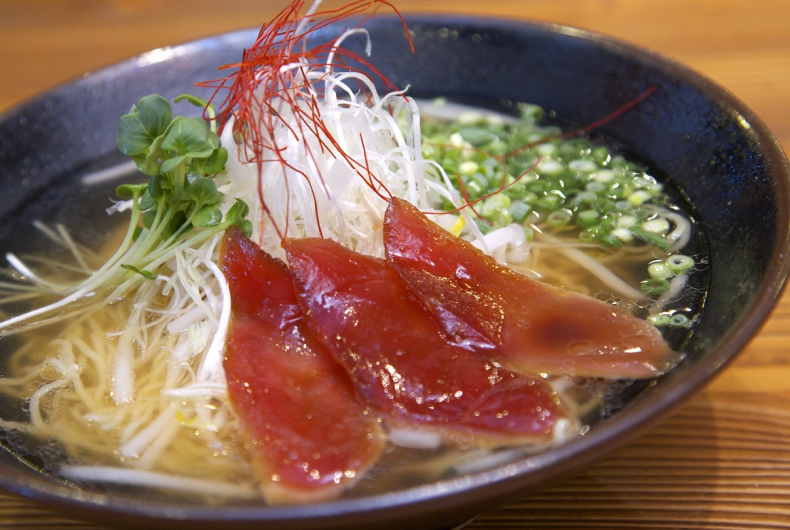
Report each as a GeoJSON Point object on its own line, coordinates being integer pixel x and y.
{"type": "Point", "coordinates": [703, 140]}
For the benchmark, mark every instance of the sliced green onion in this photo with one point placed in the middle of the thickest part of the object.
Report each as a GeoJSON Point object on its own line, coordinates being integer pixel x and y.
{"type": "Point", "coordinates": [558, 218]}
{"type": "Point", "coordinates": [679, 263]}
{"type": "Point", "coordinates": [520, 211]}
{"type": "Point", "coordinates": [456, 140]}
{"type": "Point", "coordinates": [550, 168]}
{"type": "Point", "coordinates": [618, 161]}
{"type": "Point", "coordinates": [638, 197]}
{"type": "Point", "coordinates": [474, 189]}
{"type": "Point", "coordinates": [476, 135]}
{"type": "Point", "coordinates": [468, 168]}
{"type": "Point", "coordinates": [540, 187]}
{"type": "Point", "coordinates": [587, 236]}
{"type": "Point", "coordinates": [603, 176]}
{"type": "Point", "coordinates": [621, 189]}
{"type": "Point", "coordinates": [658, 320]}
{"type": "Point", "coordinates": [548, 150]}
{"type": "Point", "coordinates": [531, 113]}
{"type": "Point", "coordinates": [626, 221]}
{"type": "Point", "coordinates": [659, 269]}
{"type": "Point", "coordinates": [575, 148]}
{"type": "Point", "coordinates": [601, 155]}
{"type": "Point", "coordinates": [587, 218]}
{"type": "Point", "coordinates": [517, 190]}
{"type": "Point", "coordinates": [582, 166]}
{"type": "Point", "coordinates": [623, 235]}
{"type": "Point", "coordinates": [608, 240]}
{"type": "Point", "coordinates": [501, 218]}
{"type": "Point", "coordinates": [550, 202]}
{"type": "Point", "coordinates": [480, 179]}
{"type": "Point", "coordinates": [608, 221]}
{"type": "Point", "coordinates": [493, 204]}
{"type": "Point", "coordinates": [603, 204]}
{"type": "Point", "coordinates": [624, 206]}
{"type": "Point", "coordinates": [595, 187]}
{"type": "Point", "coordinates": [657, 226]}
{"type": "Point", "coordinates": [483, 226]}
{"type": "Point", "coordinates": [654, 286]}
{"type": "Point", "coordinates": [649, 237]}
{"type": "Point", "coordinates": [679, 320]}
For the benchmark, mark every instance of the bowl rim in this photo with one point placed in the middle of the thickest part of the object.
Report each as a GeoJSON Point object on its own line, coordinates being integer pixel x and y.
{"type": "Point", "coordinates": [529, 471]}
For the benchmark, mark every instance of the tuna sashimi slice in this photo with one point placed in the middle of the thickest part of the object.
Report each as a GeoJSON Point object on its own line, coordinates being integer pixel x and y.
{"type": "Point", "coordinates": [528, 326]}
{"type": "Point", "coordinates": [309, 434]}
{"type": "Point", "coordinates": [401, 363]}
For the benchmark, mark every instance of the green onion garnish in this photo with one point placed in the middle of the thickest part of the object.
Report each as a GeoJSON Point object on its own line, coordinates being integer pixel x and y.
{"type": "Point", "coordinates": [660, 270]}
{"type": "Point", "coordinates": [659, 319]}
{"type": "Point", "coordinates": [679, 263]}
{"type": "Point", "coordinates": [654, 286]}
{"type": "Point", "coordinates": [558, 218]}
{"type": "Point", "coordinates": [649, 237]}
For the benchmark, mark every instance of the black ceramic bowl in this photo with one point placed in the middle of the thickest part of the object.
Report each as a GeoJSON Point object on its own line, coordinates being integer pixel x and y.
{"type": "Point", "coordinates": [694, 132]}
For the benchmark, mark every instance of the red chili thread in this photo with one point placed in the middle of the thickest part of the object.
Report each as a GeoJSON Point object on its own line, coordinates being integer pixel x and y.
{"type": "Point", "coordinates": [273, 77]}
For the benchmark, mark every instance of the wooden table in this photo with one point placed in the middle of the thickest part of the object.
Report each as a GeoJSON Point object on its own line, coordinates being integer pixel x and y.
{"type": "Point", "coordinates": [723, 461]}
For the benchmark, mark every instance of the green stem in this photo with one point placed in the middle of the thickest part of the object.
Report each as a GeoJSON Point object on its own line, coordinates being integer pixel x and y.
{"type": "Point", "coordinates": [179, 176]}
{"type": "Point", "coordinates": [122, 249]}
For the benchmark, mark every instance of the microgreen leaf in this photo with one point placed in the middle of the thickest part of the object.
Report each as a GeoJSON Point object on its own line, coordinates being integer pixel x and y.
{"type": "Point", "coordinates": [238, 211]}
{"type": "Point", "coordinates": [208, 216]}
{"type": "Point", "coordinates": [147, 202]}
{"type": "Point", "coordinates": [151, 165]}
{"type": "Point", "coordinates": [147, 274]}
{"type": "Point", "coordinates": [190, 135]}
{"type": "Point", "coordinates": [179, 218]}
{"type": "Point", "coordinates": [236, 216]}
{"type": "Point", "coordinates": [155, 114]}
{"type": "Point", "coordinates": [211, 165]}
{"type": "Point", "coordinates": [201, 189]}
{"type": "Point", "coordinates": [127, 191]}
{"type": "Point", "coordinates": [170, 164]}
{"type": "Point", "coordinates": [138, 129]}
{"type": "Point", "coordinates": [245, 226]}
{"type": "Point", "coordinates": [140, 159]}
{"type": "Point", "coordinates": [158, 187]}
{"type": "Point", "coordinates": [133, 139]}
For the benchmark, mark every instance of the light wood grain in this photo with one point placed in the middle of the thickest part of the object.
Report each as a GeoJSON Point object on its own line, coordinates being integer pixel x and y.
{"type": "Point", "coordinates": [723, 461]}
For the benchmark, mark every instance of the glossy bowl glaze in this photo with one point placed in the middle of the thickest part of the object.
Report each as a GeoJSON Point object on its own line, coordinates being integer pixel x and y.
{"type": "Point", "coordinates": [694, 132]}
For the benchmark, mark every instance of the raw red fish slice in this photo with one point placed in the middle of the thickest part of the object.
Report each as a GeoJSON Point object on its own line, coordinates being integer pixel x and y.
{"type": "Point", "coordinates": [309, 435]}
{"type": "Point", "coordinates": [367, 316]}
{"type": "Point", "coordinates": [528, 326]}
